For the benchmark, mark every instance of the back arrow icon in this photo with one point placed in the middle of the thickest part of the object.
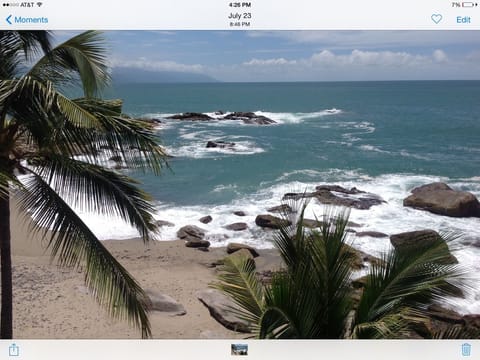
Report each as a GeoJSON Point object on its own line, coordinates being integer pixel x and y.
{"type": "Point", "coordinates": [8, 19]}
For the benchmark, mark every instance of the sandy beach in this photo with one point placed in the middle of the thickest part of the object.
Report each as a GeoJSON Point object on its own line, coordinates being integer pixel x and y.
{"type": "Point", "coordinates": [53, 302]}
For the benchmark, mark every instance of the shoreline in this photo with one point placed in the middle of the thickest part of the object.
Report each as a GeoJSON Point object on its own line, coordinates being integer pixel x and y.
{"type": "Point", "coordinates": [53, 303]}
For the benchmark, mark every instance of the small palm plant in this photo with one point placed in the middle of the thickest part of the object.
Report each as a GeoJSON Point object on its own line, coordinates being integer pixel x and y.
{"type": "Point", "coordinates": [42, 132]}
{"type": "Point", "coordinates": [312, 296]}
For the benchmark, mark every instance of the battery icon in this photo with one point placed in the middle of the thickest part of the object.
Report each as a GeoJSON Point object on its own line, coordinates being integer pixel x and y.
{"type": "Point", "coordinates": [468, 4]}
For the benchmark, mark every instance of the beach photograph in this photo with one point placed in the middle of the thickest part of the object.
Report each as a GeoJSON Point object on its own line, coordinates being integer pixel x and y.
{"type": "Point", "coordinates": [239, 185]}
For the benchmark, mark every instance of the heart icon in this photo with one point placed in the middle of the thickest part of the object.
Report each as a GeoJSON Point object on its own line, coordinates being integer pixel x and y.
{"type": "Point", "coordinates": [436, 18]}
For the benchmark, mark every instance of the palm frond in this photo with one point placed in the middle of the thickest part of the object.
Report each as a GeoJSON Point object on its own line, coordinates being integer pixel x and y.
{"type": "Point", "coordinates": [238, 279]}
{"type": "Point", "coordinates": [83, 56]}
{"type": "Point", "coordinates": [99, 190]}
{"type": "Point", "coordinates": [412, 277]}
{"type": "Point", "coordinates": [16, 46]}
{"type": "Point", "coordinates": [457, 332]}
{"type": "Point", "coordinates": [73, 244]}
{"type": "Point", "coordinates": [396, 325]}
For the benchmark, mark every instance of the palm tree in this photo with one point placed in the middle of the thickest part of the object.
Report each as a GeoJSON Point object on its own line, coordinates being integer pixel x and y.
{"type": "Point", "coordinates": [42, 132]}
{"type": "Point", "coordinates": [312, 296]}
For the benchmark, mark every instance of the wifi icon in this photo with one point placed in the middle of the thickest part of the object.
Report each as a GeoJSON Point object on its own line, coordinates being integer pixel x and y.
{"type": "Point", "coordinates": [39, 4]}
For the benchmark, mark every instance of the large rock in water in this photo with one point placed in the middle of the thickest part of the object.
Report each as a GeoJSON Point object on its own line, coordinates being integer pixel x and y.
{"type": "Point", "coordinates": [439, 198]}
{"type": "Point", "coordinates": [191, 116]}
{"type": "Point", "coordinates": [327, 194]}
{"type": "Point", "coordinates": [271, 222]}
{"type": "Point", "coordinates": [249, 118]}
{"type": "Point", "coordinates": [220, 144]}
{"type": "Point", "coordinates": [220, 308]}
{"type": "Point", "coordinates": [420, 239]}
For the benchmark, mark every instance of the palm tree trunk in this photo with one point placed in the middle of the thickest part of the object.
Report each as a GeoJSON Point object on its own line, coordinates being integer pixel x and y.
{"type": "Point", "coordinates": [6, 324]}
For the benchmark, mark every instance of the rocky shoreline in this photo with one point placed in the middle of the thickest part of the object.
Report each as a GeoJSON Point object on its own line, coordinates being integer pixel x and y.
{"type": "Point", "coordinates": [245, 117]}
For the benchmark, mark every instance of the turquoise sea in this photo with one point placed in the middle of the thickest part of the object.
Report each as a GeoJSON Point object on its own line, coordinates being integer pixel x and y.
{"type": "Point", "coordinates": [381, 137]}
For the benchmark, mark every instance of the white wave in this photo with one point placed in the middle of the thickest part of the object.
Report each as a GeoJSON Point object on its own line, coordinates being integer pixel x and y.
{"type": "Point", "coordinates": [295, 118]}
{"type": "Point", "coordinates": [406, 153]}
{"type": "Point", "coordinates": [374, 149]}
{"type": "Point", "coordinates": [227, 187]}
{"type": "Point", "coordinates": [198, 150]}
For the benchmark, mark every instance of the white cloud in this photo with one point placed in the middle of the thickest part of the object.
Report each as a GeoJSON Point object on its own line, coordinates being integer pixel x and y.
{"type": "Point", "coordinates": [269, 62]}
{"type": "Point", "coordinates": [157, 65]}
{"type": "Point", "coordinates": [328, 65]}
{"type": "Point", "coordinates": [440, 56]}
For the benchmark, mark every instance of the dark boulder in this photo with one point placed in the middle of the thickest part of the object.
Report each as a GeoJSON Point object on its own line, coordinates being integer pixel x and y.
{"type": "Point", "coordinates": [205, 219]}
{"type": "Point", "coordinates": [271, 222]}
{"type": "Point", "coordinates": [249, 118]}
{"type": "Point", "coordinates": [362, 203]}
{"type": "Point", "coordinates": [237, 226]}
{"type": "Point", "coordinates": [421, 239]}
{"type": "Point", "coordinates": [298, 196]}
{"type": "Point", "coordinates": [196, 243]}
{"type": "Point", "coordinates": [349, 198]}
{"type": "Point", "coordinates": [191, 116]}
{"type": "Point", "coordinates": [161, 223]}
{"type": "Point", "coordinates": [191, 233]}
{"type": "Point", "coordinates": [239, 213]}
{"type": "Point", "coordinates": [234, 247]}
{"type": "Point", "coordinates": [340, 189]}
{"type": "Point", "coordinates": [439, 198]}
{"type": "Point", "coordinates": [220, 144]}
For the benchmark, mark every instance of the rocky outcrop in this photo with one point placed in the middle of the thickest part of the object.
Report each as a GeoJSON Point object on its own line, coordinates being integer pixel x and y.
{"type": "Point", "coordinates": [206, 219]}
{"type": "Point", "coordinates": [220, 308]}
{"type": "Point", "coordinates": [420, 239]}
{"type": "Point", "coordinates": [249, 118]}
{"type": "Point", "coordinates": [194, 236]}
{"type": "Point", "coordinates": [439, 198]}
{"type": "Point", "coordinates": [326, 194]}
{"type": "Point", "coordinates": [220, 144]}
{"type": "Point", "coordinates": [191, 232]}
{"type": "Point", "coordinates": [234, 247]}
{"type": "Point", "coordinates": [161, 223]}
{"type": "Point", "coordinates": [191, 116]}
{"type": "Point", "coordinates": [284, 209]}
{"type": "Point", "coordinates": [272, 222]}
{"type": "Point", "coordinates": [164, 303]}
{"type": "Point", "coordinates": [240, 226]}
{"type": "Point", "coordinates": [246, 117]}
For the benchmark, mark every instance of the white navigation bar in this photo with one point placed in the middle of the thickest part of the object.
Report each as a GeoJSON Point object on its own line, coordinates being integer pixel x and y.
{"type": "Point", "coordinates": [241, 15]}
{"type": "Point", "coordinates": [251, 349]}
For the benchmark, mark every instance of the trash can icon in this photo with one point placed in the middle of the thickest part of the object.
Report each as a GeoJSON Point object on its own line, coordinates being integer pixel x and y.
{"type": "Point", "coordinates": [466, 349]}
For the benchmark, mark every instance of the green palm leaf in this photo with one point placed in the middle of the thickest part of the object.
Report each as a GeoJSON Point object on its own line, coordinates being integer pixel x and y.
{"type": "Point", "coordinates": [238, 279]}
{"type": "Point", "coordinates": [410, 278]}
{"type": "Point", "coordinates": [83, 56]}
{"type": "Point", "coordinates": [73, 244]}
{"type": "Point", "coordinates": [99, 190]}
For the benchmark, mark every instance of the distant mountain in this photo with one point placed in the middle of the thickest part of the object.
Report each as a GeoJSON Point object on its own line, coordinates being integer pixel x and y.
{"type": "Point", "coordinates": [133, 75]}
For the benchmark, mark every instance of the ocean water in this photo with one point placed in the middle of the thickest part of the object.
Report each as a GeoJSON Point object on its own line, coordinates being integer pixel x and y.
{"type": "Point", "coordinates": [381, 137]}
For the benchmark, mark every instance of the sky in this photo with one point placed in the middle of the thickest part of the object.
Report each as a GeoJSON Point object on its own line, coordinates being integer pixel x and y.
{"type": "Point", "coordinates": [300, 55]}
